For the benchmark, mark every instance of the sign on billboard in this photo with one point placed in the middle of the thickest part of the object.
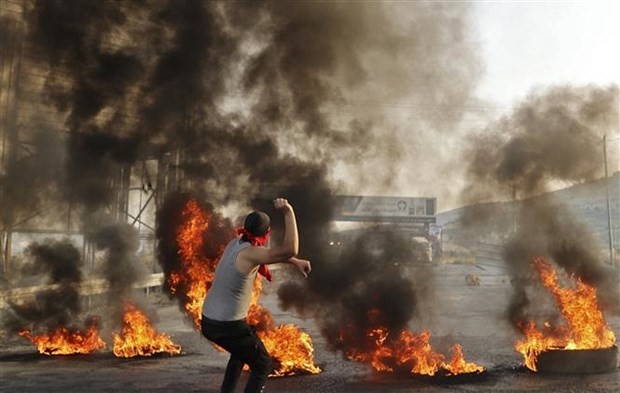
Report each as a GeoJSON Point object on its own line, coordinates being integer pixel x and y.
{"type": "Point", "coordinates": [385, 209]}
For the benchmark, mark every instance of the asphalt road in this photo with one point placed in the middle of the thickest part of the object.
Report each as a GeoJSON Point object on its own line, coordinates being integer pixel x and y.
{"type": "Point", "coordinates": [469, 315]}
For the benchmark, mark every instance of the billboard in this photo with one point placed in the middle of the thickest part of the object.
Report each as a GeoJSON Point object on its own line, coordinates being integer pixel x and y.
{"type": "Point", "coordinates": [385, 209]}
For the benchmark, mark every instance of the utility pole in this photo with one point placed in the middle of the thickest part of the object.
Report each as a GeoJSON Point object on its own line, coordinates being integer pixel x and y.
{"type": "Point", "coordinates": [514, 209]}
{"type": "Point", "coordinates": [609, 223]}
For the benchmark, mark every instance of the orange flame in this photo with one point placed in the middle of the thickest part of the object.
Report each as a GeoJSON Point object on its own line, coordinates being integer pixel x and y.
{"type": "Point", "coordinates": [65, 341]}
{"type": "Point", "coordinates": [290, 347]}
{"type": "Point", "coordinates": [409, 351]}
{"type": "Point", "coordinates": [458, 365]}
{"type": "Point", "coordinates": [586, 327]}
{"type": "Point", "coordinates": [197, 271]}
{"type": "Point", "coordinates": [139, 338]}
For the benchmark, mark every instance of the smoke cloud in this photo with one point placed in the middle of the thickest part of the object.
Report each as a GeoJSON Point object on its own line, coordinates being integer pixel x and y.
{"type": "Point", "coordinates": [553, 136]}
{"type": "Point", "coordinates": [358, 286]}
{"type": "Point", "coordinates": [60, 304]}
{"type": "Point", "coordinates": [251, 85]}
{"type": "Point", "coordinates": [120, 243]}
{"type": "Point", "coordinates": [90, 81]}
{"type": "Point", "coordinates": [252, 100]}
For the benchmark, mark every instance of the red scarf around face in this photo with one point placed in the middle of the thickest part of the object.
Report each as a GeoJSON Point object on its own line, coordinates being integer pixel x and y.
{"type": "Point", "coordinates": [258, 241]}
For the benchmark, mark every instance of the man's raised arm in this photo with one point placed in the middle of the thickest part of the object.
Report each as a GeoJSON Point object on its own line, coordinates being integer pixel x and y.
{"type": "Point", "coordinates": [280, 253]}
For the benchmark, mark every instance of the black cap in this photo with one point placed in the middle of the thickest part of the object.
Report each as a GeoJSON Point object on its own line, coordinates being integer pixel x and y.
{"type": "Point", "coordinates": [257, 223]}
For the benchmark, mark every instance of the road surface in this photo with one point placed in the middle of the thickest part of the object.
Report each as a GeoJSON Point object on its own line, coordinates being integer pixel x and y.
{"type": "Point", "coordinates": [469, 315]}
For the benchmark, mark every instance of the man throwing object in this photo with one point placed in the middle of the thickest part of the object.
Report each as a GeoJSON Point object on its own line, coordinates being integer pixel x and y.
{"type": "Point", "coordinates": [228, 300]}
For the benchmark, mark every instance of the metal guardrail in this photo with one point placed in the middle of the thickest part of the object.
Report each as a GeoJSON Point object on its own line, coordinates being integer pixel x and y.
{"type": "Point", "coordinates": [89, 287]}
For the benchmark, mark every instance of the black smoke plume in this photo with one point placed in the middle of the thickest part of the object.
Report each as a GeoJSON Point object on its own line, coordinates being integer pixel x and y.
{"type": "Point", "coordinates": [361, 285]}
{"type": "Point", "coordinates": [555, 135]}
{"type": "Point", "coordinates": [89, 81]}
{"type": "Point", "coordinates": [257, 100]}
{"type": "Point", "coordinates": [31, 184]}
{"type": "Point", "coordinates": [59, 305]}
{"type": "Point", "coordinates": [131, 76]}
{"type": "Point", "coordinates": [120, 242]}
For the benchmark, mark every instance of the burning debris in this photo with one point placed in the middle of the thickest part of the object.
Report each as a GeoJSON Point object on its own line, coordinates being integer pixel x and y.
{"type": "Point", "coordinates": [457, 364]}
{"type": "Point", "coordinates": [67, 341]}
{"type": "Point", "coordinates": [411, 353]}
{"type": "Point", "coordinates": [138, 337]}
{"type": "Point", "coordinates": [49, 321]}
{"type": "Point", "coordinates": [290, 348]}
{"type": "Point", "coordinates": [586, 327]}
{"type": "Point", "coordinates": [406, 352]}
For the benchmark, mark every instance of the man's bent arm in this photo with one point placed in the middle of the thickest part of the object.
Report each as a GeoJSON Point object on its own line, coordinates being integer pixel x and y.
{"type": "Point", "coordinates": [302, 264]}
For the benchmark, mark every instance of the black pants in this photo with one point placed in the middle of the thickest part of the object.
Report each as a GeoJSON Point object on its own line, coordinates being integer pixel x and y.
{"type": "Point", "coordinates": [240, 339]}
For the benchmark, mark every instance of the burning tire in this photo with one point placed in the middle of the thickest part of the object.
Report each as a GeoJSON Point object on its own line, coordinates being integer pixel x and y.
{"type": "Point", "coordinates": [579, 361]}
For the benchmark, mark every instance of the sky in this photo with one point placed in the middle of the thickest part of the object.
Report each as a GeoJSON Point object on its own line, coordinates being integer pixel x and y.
{"type": "Point", "coordinates": [522, 46]}
{"type": "Point", "coordinates": [537, 43]}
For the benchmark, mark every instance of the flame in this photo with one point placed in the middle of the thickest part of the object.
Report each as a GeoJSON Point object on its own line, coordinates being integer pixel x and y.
{"type": "Point", "coordinates": [64, 341]}
{"type": "Point", "coordinates": [586, 327]}
{"type": "Point", "coordinates": [407, 351]}
{"type": "Point", "coordinates": [290, 347]}
{"type": "Point", "coordinates": [139, 338]}
{"type": "Point", "coordinates": [196, 273]}
{"type": "Point", "coordinates": [458, 365]}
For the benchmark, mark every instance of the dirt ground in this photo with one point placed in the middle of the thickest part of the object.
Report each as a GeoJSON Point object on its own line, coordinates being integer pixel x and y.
{"type": "Point", "coordinates": [469, 315]}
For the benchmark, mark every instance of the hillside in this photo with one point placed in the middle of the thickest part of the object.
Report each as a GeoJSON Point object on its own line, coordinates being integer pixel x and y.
{"type": "Point", "coordinates": [586, 202]}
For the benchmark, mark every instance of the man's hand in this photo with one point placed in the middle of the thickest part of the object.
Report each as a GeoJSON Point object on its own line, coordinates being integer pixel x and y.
{"type": "Point", "coordinates": [303, 265]}
{"type": "Point", "coordinates": [282, 204]}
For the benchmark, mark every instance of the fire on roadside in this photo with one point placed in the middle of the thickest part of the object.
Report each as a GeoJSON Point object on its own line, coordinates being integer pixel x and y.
{"type": "Point", "coordinates": [65, 341]}
{"type": "Point", "coordinates": [138, 337]}
{"type": "Point", "coordinates": [458, 365]}
{"type": "Point", "coordinates": [405, 351]}
{"type": "Point", "coordinates": [290, 348]}
{"type": "Point", "coordinates": [585, 324]}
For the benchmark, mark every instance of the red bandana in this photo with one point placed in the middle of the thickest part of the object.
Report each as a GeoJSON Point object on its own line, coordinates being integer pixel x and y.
{"type": "Point", "coordinates": [258, 241]}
